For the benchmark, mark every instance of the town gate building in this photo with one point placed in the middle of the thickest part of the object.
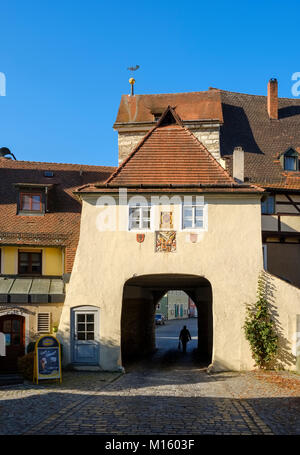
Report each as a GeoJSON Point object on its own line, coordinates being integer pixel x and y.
{"type": "Point", "coordinates": [205, 197]}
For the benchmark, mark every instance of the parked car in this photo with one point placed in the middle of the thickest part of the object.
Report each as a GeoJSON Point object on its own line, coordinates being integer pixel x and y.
{"type": "Point", "coordinates": [159, 319]}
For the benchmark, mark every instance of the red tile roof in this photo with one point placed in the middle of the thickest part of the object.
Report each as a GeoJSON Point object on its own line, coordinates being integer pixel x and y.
{"type": "Point", "coordinates": [59, 227]}
{"type": "Point", "coordinates": [189, 106]}
{"type": "Point", "coordinates": [247, 125]}
{"type": "Point", "coordinates": [169, 155]}
{"type": "Point", "coordinates": [244, 123]}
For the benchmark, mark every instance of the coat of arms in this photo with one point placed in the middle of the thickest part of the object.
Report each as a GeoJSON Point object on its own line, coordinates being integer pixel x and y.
{"type": "Point", "coordinates": [140, 238]}
{"type": "Point", "coordinates": [165, 241]}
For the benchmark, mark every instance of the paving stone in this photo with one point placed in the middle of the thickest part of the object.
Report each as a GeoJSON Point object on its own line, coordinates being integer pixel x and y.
{"type": "Point", "coordinates": [150, 401]}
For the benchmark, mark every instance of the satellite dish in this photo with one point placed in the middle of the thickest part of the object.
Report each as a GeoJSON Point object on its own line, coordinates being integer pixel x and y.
{"type": "Point", "coordinates": [4, 151]}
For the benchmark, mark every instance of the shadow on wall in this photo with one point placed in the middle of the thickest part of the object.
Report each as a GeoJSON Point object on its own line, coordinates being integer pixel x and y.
{"type": "Point", "coordinates": [285, 358]}
{"type": "Point", "coordinates": [236, 117]}
{"type": "Point", "coordinates": [108, 353]}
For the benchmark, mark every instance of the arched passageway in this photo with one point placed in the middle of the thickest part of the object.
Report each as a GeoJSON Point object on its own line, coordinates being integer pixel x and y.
{"type": "Point", "coordinates": [140, 297]}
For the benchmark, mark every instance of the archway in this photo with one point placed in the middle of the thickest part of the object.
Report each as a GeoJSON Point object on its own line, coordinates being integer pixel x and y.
{"type": "Point", "coordinates": [140, 297]}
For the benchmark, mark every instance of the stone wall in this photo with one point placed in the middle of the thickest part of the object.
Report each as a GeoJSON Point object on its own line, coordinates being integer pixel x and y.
{"type": "Point", "coordinates": [210, 138]}
{"type": "Point", "coordinates": [127, 142]}
{"type": "Point", "coordinates": [207, 135]}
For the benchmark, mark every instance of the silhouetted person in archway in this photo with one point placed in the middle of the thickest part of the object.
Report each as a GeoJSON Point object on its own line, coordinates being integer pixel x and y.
{"type": "Point", "coordinates": [184, 337]}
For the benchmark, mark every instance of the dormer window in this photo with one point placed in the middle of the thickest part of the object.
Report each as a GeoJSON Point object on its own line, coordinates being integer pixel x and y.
{"type": "Point", "coordinates": [32, 198]}
{"type": "Point", "coordinates": [290, 160]}
{"type": "Point", "coordinates": [31, 202]}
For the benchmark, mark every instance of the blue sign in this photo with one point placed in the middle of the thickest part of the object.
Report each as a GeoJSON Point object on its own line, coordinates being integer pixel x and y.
{"type": "Point", "coordinates": [7, 339]}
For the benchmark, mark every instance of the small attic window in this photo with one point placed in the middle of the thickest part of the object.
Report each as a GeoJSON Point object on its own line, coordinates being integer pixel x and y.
{"type": "Point", "coordinates": [48, 174]}
{"type": "Point", "coordinates": [290, 160]}
{"type": "Point", "coordinates": [157, 116]}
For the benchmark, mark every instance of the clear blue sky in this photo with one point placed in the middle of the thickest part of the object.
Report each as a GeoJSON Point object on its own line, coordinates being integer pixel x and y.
{"type": "Point", "coordinates": [66, 64]}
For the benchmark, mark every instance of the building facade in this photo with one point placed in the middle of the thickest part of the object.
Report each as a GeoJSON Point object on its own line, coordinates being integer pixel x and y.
{"type": "Point", "coordinates": [174, 305]}
{"type": "Point", "coordinates": [187, 203]}
{"type": "Point", "coordinates": [39, 232]}
{"type": "Point", "coordinates": [206, 198]}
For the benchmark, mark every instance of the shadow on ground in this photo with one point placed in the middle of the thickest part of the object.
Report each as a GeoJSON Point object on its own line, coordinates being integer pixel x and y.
{"type": "Point", "coordinates": [117, 414]}
{"type": "Point", "coordinates": [171, 359]}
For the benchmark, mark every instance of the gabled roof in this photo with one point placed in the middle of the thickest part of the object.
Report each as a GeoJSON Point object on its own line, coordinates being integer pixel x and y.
{"type": "Point", "coordinates": [244, 123]}
{"type": "Point", "coordinates": [169, 155]}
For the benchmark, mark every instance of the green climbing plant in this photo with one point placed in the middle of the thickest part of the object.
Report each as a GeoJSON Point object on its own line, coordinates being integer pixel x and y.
{"type": "Point", "coordinates": [260, 328]}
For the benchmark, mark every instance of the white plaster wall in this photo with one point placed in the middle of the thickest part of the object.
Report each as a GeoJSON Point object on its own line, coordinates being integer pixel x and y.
{"type": "Point", "coordinates": [287, 306]}
{"type": "Point", "coordinates": [228, 254]}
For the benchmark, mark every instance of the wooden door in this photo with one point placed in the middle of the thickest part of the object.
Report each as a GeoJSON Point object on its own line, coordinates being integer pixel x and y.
{"type": "Point", "coordinates": [13, 326]}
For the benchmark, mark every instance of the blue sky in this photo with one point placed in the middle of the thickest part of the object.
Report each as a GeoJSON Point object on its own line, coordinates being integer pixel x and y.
{"type": "Point", "coordinates": [66, 63]}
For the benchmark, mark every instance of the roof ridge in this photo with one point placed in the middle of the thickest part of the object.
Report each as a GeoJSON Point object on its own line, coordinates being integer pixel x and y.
{"type": "Point", "coordinates": [59, 164]}
{"type": "Point", "coordinates": [174, 93]}
{"type": "Point", "coordinates": [254, 95]}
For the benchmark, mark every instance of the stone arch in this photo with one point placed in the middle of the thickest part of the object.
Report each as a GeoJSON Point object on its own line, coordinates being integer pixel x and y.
{"type": "Point", "coordinates": [140, 297]}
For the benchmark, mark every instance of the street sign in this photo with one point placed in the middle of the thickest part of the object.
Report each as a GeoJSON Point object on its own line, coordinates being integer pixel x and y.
{"type": "Point", "coordinates": [47, 359]}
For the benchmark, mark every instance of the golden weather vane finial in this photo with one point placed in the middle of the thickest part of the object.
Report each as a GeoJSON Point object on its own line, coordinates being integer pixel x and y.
{"type": "Point", "coordinates": [132, 80]}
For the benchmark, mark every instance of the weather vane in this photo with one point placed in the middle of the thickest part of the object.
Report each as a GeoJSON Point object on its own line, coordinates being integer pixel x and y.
{"type": "Point", "coordinates": [132, 80]}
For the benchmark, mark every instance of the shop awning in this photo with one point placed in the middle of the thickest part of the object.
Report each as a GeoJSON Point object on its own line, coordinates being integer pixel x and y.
{"type": "Point", "coordinates": [31, 290]}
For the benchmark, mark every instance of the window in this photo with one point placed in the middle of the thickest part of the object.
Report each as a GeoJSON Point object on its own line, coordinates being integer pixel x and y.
{"type": "Point", "coordinates": [268, 205]}
{"type": "Point", "coordinates": [30, 263]}
{"type": "Point", "coordinates": [43, 322]}
{"type": "Point", "coordinates": [85, 326]}
{"type": "Point", "coordinates": [290, 160]}
{"type": "Point", "coordinates": [193, 216]}
{"type": "Point", "coordinates": [265, 256]}
{"type": "Point", "coordinates": [290, 163]}
{"type": "Point", "coordinates": [30, 202]}
{"type": "Point", "coordinates": [139, 217]}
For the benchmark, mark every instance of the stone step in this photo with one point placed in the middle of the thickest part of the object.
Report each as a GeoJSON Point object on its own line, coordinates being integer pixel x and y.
{"type": "Point", "coordinates": [86, 368]}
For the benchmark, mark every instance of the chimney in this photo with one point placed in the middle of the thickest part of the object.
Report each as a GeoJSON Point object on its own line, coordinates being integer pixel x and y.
{"type": "Point", "coordinates": [238, 164]}
{"type": "Point", "coordinates": [273, 99]}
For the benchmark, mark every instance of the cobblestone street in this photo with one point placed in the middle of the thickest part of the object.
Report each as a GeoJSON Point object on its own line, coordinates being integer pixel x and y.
{"type": "Point", "coordinates": [167, 398]}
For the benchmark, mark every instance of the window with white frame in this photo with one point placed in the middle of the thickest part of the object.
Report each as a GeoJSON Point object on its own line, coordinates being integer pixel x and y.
{"type": "Point", "coordinates": [193, 216]}
{"type": "Point", "coordinates": [139, 217]}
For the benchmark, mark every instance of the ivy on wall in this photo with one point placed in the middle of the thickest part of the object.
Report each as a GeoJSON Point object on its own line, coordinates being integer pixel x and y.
{"type": "Point", "coordinates": [260, 329]}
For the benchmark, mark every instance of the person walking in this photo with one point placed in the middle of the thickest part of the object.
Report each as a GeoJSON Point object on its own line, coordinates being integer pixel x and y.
{"type": "Point", "coordinates": [184, 337]}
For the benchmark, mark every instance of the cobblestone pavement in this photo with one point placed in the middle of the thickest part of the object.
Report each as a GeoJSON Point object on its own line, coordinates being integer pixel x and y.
{"type": "Point", "coordinates": [166, 399]}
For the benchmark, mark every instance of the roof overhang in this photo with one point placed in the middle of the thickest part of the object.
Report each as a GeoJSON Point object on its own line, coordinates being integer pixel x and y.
{"type": "Point", "coordinates": [31, 290]}
{"type": "Point", "coordinates": [171, 188]}
{"type": "Point", "coordinates": [33, 185]}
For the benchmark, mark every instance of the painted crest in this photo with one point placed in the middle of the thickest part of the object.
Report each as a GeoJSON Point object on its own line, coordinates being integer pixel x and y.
{"type": "Point", "coordinates": [165, 241]}
{"type": "Point", "coordinates": [140, 238]}
{"type": "Point", "coordinates": [193, 237]}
